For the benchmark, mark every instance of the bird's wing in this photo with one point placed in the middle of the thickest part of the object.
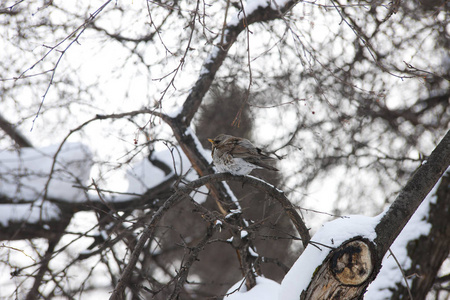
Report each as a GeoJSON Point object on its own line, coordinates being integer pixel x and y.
{"type": "Point", "coordinates": [242, 148]}
{"type": "Point", "coordinates": [259, 163]}
{"type": "Point", "coordinates": [246, 149]}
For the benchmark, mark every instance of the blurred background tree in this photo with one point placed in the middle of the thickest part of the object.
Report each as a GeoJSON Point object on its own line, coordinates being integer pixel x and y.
{"type": "Point", "coordinates": [352, 96]}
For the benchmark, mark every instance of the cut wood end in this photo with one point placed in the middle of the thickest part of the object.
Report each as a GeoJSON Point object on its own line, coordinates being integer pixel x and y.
{"type": "Point", "coordinates": [352, 264]}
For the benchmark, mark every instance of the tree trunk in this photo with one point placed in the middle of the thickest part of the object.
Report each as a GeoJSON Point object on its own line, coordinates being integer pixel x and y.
{"type": "Point", "coordinates": [350, 268]}
{"type": "Point", "coordinates": [429, 252]}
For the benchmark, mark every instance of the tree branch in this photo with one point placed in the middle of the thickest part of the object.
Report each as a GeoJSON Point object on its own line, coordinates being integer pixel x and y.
{"type": "Point", "coordinates": [412, 196]}
{"type": "Point", "coordinates": [428, 252]}
{"type": "Point", "coordinates": [13, 133]}
{"type": "Point", "coordinates": [220, 51]}
{"type": "Point", "coordinates": [179, 195]}
{"type": "Point", "coordinates": [360, 259]}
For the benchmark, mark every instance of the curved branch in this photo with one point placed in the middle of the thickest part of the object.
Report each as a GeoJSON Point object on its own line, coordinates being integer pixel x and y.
{"type": "Point", "coordinates": [220, 51]}
{"type": "Point", "coordinates": [183, 193]}
{"type": "Point", "coordinates": [279, 195]}
{"type": "Point", "coordinates": [180, 124]}
{"type": "Point", "coordinates": [192, 257]}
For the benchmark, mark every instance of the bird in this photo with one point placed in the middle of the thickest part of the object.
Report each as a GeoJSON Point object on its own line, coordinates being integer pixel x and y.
{"type": "Point", "coordinates": [238, 156]}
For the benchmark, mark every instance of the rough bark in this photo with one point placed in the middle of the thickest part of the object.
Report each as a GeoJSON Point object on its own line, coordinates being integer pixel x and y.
{"type": "Point", "coordinates": [343, 274]}
{"type": "Point", "coordinates": [427, 253]}
{"type": "Point", "coordinates": [412, 195]}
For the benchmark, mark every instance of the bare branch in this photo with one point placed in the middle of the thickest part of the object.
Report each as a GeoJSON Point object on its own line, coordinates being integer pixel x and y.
{"type": "Point", "coordinates": [180, 194]}
{"type": "Point", "coordinates": [14, 133]}
{"type": "Point", "coordinates": [412, 196]}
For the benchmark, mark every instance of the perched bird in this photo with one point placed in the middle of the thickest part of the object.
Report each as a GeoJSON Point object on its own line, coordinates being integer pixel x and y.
{"type": "Point", "coordinates": [237, 156]}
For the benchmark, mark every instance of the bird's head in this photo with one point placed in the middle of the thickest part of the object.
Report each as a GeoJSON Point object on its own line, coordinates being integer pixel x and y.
{"type": "Point", "coordinates": [218, 139]}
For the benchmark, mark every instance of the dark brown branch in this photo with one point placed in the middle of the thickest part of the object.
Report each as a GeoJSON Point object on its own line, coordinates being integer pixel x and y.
{"type": "Point", "coordinates": [121, 38]}
{"type": "Point", "coordinates": [13, 133]}
{"type": "Point", "coordinates": [193, 255]}
{"type": "Point", "coordinates": [219, 53]}
{"type": "Point", "coordinates": [33, 293]}
{"type": "Point", "coordinates": [411, 114]}
{"type": "Point", "coordinates": [428, 252]}
{"type": "Point", "coordinates": [285, 203]}
{"type": "Point", "coordinates": [412, 196]}
{"type": "Point", "coordinates": [179, 195]}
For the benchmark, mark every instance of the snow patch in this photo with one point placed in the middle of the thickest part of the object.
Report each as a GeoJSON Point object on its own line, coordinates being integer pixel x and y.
{"type": "Point", "coordinates": [251, 5]}
{"type": "Point", "coordinates": [390, 274]}
{"type": "Point", "coordinates": [209, 60]}
{"type": "Point", "coordinates": [252, 252]}
{"type": "Point", "coordinates": [31, 213]}
{"type": "Point", "coordinates": [205, 153]}
{"type": "Point", "coordinates": [265, 289]}
{"type": "Point", "coordinates": [144, 175]}
{"type": "Point", "coordinates": [25, 173]}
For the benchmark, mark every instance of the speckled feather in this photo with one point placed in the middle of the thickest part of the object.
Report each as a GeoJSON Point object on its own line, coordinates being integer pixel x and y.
{"type": "Point", "coordinates": [238, 156]}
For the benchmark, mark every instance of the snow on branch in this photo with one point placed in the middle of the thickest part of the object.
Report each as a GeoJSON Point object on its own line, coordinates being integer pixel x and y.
{"type": "Point", "coordinates": [412, 195]}
{"type": "Point", "coordinates": [25, 173]}
{"type": "Point", "coordinates": [30, 177]}
{"type": "Point", "coordinates": [390, 275]}
{"type": "Point", "coordinates": [350, 249]}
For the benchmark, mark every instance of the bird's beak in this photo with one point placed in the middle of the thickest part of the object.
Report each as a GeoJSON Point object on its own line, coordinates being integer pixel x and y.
{"type": "Point", "coordinates": [211, 141]}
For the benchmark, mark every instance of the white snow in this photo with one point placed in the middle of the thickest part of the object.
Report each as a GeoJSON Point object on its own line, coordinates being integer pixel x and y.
{"type": "Point", "coordinates": [265, 183]}
{"type": "Point", "coordinates": [233, 197]}
{"type": "Point", "coordinates": [244, 234]}
{"type": "Point", "coordinates": [210, 59]}
{"type": "Point", "coordinates": [25, 173]}
{"type": "Point", "coordinates": [265, 289]}
{"type": "Point", "coordinates": [233, 212]}
{"type": "Point", "coordinates": [205, 153]}
{"type": "Point", "coordinates": [252, 252]}
{"type": "Point", "coordinates": [32, 213]}
{"type": "Point", "coordinates": [144, 175]}
{"type": "Point", "coordinates": [251, 5]}
{"type": "Point", "coordinates": [390, 273]}
{"type": "Point", "coordinates": [175, 111]}
{"type": "Point", "coordinates": [332, 234]}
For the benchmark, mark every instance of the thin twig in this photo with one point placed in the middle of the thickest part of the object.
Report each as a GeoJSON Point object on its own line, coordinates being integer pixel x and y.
{"type": "Point", "coordinates": [403, 274]}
